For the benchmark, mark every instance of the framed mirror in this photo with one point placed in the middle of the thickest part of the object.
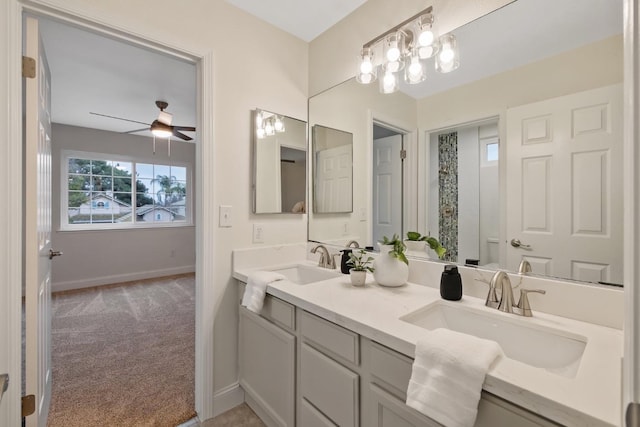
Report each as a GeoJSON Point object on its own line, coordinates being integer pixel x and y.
{"type": "Point", "coordinates": [551, 87]}
{"type": "Point", "coordinates": [279, 150]}
{"type": "Point", "coordinates": [332, 170]}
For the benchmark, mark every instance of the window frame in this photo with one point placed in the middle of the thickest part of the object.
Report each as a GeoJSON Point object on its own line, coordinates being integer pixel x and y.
{"type": "Point", "coordinates": [64, 224]}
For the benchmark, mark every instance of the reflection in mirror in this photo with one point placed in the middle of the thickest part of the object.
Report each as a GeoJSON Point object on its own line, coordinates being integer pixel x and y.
{"type": "Point", "coordinates": [279, 163]}
{"type": "Point", "coordinates": [553, 98]}
{"type": "Point", "coordinates": [332, 170]}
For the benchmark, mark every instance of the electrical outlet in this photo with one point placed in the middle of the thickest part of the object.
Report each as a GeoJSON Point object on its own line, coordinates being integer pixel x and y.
{"type": "Point", "coordinates": [258, 233]}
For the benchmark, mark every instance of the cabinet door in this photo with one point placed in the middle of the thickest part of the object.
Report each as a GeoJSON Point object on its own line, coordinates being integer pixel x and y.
{"type": "Point", "coordinates": [329, 387]}
{"type": "Point", "coordinates": [311, 417]}
{"type": "Point", "coordinates": [267, 369]}
{"type": "Point", "coordinates": [388, 411]}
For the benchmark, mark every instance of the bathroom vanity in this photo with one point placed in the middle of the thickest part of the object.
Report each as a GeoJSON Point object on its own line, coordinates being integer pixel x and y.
{"type": "Point", "coordinates": [326, 353]}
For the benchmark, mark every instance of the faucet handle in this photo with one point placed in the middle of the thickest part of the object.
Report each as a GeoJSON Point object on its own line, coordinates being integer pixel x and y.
{"type": "Point", "coordinates": [492, 298]}
{"type": "Point", "coordinates": [523, 304]}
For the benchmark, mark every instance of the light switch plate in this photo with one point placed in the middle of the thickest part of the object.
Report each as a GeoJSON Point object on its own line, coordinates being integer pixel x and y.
{"type": "Point", "coordinates": [226, 219]}
{"type": "Point", "coordinates": [258, 233]}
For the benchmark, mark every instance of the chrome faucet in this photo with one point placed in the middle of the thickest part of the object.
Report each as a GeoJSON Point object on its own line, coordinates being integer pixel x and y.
{"type": "Point", "coordinates": [326, 260]}
{"type": "Point", "coordinates": [353, 244]}
{"type": "Point", "coordinates": [500, 280]}
{"type": "Point", "coordinates": [524, 267]}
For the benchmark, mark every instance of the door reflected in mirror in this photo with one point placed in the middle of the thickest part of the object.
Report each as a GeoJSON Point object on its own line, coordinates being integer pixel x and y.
{"type": "Point", "coordinates": [332, 170]}
{"type": "Point", "coordinates": [279, 163]}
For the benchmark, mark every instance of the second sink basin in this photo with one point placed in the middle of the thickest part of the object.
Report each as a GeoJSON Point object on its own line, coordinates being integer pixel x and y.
{"type": "Point", "coordinates": [305, 274]}
{"type": "Point", "coordinates": [555, 350]}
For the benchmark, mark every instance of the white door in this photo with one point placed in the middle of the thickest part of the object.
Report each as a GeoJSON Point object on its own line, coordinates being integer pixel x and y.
{"type": "Point", "coordinates": [564, 185]}
{"type": "Point", "coordinates": [37, 227]}
{"type": "Point", "coordinates": [387, 187]}
{"type": "Point", "coordinates": [334, 187]}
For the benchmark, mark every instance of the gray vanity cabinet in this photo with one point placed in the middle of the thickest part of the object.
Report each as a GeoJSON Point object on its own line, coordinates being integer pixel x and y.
{"type": "Point", "coordinates": [389, 373]}
{"type": "Point", "coordinates": [329, 382]}
{"type": "Point", "coordinates": [267, 356]}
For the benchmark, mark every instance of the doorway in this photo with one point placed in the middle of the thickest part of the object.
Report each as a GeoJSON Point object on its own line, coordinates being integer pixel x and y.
{"type": "Point", "coordinates": [113, 234]}
{"type": "Point", "coordinates": [387, 181]}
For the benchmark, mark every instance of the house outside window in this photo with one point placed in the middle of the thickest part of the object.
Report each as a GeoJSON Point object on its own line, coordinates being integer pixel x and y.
{"type": "Point", "coordinates": [100, 191]}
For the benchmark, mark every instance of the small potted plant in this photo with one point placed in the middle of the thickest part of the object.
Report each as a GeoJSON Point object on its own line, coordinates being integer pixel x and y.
{"type": "Point", "coordinates": [392, 265]}
{"type": "Point", "coordinates": [417, 242]}
{"type": "Point", "coordinates": [360, 262]}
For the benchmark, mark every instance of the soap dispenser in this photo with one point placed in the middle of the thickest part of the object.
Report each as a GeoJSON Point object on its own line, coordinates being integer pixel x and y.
{"type": "Point", "coordinates": [344, 266]}
{"type": "Point", "coordinates": [451, 283]}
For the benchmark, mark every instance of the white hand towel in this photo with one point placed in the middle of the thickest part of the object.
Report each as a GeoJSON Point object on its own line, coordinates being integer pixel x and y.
{"type": "Point", "coordinates": [447, 376]}
{"type": "Point", "coordinates": [257, 282]}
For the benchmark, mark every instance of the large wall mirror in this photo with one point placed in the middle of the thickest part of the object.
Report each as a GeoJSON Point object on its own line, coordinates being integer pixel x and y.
{"type": "Point", "coordinates": [279, 150]}
{"type": "Point", "coordinates": [516, 155]}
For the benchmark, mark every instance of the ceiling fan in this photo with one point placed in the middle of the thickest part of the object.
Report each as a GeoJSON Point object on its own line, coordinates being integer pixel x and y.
{"type": "Point", "coordinates": [161, 126]}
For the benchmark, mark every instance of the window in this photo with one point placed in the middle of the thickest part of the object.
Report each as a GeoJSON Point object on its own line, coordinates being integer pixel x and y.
{"type": "Point", "coordinates": [489, 151]}
{"type": "Point", "coordinates": [109, 193]}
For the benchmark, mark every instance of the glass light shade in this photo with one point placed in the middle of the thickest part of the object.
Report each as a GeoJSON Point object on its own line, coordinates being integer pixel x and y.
{"type": "Point", "coordinates": [415, 69]}
{"type": "Point", "coordinates": [389, 83]}
{"type": "Point", "coordinates": [278, 125]}
{"type": "Point", "coordinates": [366, 68]}
{"type": "Point", "coordinates": [448, 58]}
{"type": "Point", "coordinates": [260, 133]}
{"type": "Point", "coordinates": [258, 118]}
{"type": "Point", "coordinates": [269, 129]}
{"type": "Point", "coordinates": [393, 51]}
{"type": "Point", "coordinates": [160, 129]}
{"type": "Point", "coordinates": [424, 31]}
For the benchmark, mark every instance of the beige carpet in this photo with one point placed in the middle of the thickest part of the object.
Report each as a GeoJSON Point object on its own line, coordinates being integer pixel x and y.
{"type": "Point", "coordinates": [240, 416]}
{"type": "Point", "coordinates": [124, 355]}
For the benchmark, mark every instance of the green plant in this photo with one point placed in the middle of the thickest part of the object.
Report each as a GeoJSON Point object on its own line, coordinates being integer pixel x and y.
{"type": "Point", "coordinates": [398, 247]}
{"type": "Point", "coordinates": [431, 241]}
{"type": "Point", "coordinates": [360, 261]}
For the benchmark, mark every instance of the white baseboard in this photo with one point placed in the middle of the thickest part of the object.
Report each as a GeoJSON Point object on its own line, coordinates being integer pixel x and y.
{"type": "Point", "coordinates": [227, 398]}
{"type": "Point", "coordinates": [119, 278]}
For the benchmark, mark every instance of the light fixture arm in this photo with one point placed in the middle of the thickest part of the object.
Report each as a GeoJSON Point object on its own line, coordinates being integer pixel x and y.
{"type": "Point", "coordinates": [398, 27]}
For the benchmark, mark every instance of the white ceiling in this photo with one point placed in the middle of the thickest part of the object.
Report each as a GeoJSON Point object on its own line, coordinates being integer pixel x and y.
{"type": "Point", "coordinates": [93, 73]}
{"type": "Point", "coordinates": [305, 19]}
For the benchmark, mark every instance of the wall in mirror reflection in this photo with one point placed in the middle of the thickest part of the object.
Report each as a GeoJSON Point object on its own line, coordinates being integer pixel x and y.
{"type": "Point", "coordinates": [593, 65]}
{"type": "Point", "coordinates": [279, 147]}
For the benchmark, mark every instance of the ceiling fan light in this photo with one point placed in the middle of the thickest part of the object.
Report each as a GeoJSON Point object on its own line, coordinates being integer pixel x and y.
{"type": "Point", "coordinates": [160, 129]}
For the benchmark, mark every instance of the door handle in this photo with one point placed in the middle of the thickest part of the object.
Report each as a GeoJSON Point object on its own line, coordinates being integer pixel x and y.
{"type": "Point", "coordinates": [53, 253]}
{"type": "Point", "coordinates": [4, 384]}
{"type": "Point", "coordinates": [517, 244]}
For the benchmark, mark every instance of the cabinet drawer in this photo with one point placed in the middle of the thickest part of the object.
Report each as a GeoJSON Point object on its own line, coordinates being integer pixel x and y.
{"type": "Point", "coordinates": [280, 312]}
{"type": "Point", "coordinates": [275, 310]}
{"type": "Point", "coordinates": [391, 370]}
{"type": "Point", "coordinates": [388, 411]}
{"type": "Point", "coordinates": [330, 338]}
{"type": "Point", "coordinates": [329, 387]}
{"type": "Point", "coordinates": [311, 417]}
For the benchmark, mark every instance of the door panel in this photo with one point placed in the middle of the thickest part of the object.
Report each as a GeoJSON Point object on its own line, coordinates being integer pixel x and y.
{"type": "Point", "coordinates": [387, 187]}
{"type": "Point", "coordinates": [563, 195]}
{"type": "Point", "coordinates": [334, 180]}
{"type": "Point", "coordinates": [37, 223]}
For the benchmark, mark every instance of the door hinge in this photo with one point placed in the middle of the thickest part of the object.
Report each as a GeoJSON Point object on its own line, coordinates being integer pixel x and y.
{"type": "Point", "coordinates": [633, 415]}
{"type": "Point", "coordinates": [28, 405]}
{"type": "Point", "coordinates": [28, 67]}
{"type": "Point", "coordinates": [403, 154]}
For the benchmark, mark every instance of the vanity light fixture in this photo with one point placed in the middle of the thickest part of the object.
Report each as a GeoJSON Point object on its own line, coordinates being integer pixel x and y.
{"type": "Point", "coordinates": [268, 124]}
{"type": "Point", "coordinates": [406, 47]}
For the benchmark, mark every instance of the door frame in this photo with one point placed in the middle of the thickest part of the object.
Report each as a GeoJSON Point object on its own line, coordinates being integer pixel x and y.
{"type": "Point", "coordinates": [11, 216]}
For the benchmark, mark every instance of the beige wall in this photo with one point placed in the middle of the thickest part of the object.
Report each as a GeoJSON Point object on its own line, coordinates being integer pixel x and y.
{"type": "Point", "coordinates": [98, 257]}
{"type": "Point", "coordinates": [255, 65]}
{"type": "Point", "coordinates": [332, 55]}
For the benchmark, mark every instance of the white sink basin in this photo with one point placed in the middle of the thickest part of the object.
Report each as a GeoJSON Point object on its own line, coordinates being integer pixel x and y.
{"type": "Point", "coordinates": [521, 339]}
{"type": "Point", "coordinates": [305, 274]}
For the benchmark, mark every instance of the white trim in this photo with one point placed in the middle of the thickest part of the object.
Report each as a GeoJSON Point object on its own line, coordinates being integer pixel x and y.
{"type": "Point", "coordinates": [11, 218]}
{"type": "Point", "coordinates": [228, 398]}
{"type": "Point", "coordinates": [11, 215]}
{"type": "Point", "coordinates": [120, 278]}
{"type": "Point", "coordinates": [631, 174]}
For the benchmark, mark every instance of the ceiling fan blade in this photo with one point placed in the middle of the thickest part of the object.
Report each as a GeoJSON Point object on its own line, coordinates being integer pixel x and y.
{"type": "Point", "coordinates": [119, 118]}
{"type": "Point", "coordinates": [180, 135]}
{"type": "Point", "coordinates": [137, 130]}
{"type": "Point", "coordinates": [185, 128]}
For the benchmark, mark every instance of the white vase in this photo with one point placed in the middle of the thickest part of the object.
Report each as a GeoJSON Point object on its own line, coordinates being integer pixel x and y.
{"type": "Point", "coordinates": [358, 278]}
{"type": "Point", "coordinates": [390, 271]}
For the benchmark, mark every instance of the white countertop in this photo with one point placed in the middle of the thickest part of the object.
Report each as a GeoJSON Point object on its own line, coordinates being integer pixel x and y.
{"type": "Point", "coordinates": [592, 398]}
